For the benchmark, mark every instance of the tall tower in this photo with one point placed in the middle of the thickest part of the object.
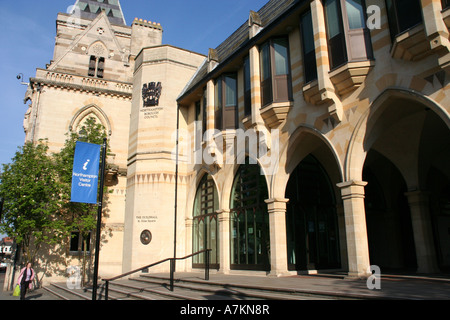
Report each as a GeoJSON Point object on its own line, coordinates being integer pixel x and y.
{"type": "Point", "coordinates": [161, 73]}
{"type": "Point", "coordinates": [91, 75]}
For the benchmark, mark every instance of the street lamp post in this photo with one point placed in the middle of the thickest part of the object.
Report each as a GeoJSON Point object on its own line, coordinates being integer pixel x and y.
{"type": "Point", "coordinates": [99, 221]}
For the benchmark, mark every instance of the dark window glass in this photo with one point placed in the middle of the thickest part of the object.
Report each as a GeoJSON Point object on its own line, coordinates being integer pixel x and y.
{"type": "Point", "coordinates": [309, 53]}
{"type": "Point", "coordinates": [77, 243]}
{"type": "Point", "coordinates": [226, 102]}
{"type": "Point", "coordinates": [311, 218]}
{"type": "Point", "coordinates": [336, 36]}
{"type": "Point", "coordinates": [92, 66]}
{"type": "Point", "coordinates": [247, 88]}
{"type": "Point", "coordinates": [100, 67]}
{"type": "Point", "coordinates": [250, 241]}
{"type": "Point", "coordinates": [445, 4]}
{"type": "Point", "coordinates": [205, 222]}
{"type": "Point", "coordinates": [74, 241]}
{"type": "Point", "coordinates": [96, 66]}
{"type": "Point", "coordinates": [403, 15]}
{"type": "Point", "coordinates": [266, 75]}
{"type": "Point", "coordinates": [218, 110]}
{"type": "Point", "coordinates": [198, 110]}
{"type": "Point", "coordinates": [275, 71]}
{"type": "Point", "coordinates": [198, 126]}
{"type": "Point", "coordinates": [204, 113]}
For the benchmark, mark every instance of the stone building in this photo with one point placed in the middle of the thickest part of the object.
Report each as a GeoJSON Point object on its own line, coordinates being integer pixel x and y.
{"type": "Point", "coordinates": [316, 137]}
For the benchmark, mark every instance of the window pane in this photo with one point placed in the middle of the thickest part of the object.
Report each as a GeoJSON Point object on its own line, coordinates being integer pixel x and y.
{"type": "Point", "coordinates": [92, 64]}
{"type": "Point", "coordinates": [249, 234]}
{"type": "Point", "coordinates": [247, 88]}
{"type": "Point", "coordinates": [409, 14]}
{"type": "Point", "coordinates": [309, 54]}
{"type": "Point", "coordinates": [74, 240]}
{"type": "Point", "coordinates": [230, 91]}
{"type": "Point", "coordinates": [445, 3]}
{"type": "Point", "coordinates": [265, 62]}
{"type": "Point", "coordinates": [332, 16]}
{"type": "Point", "coordinates": [218, 95]}
{"type": "Point", "coordinates": [355, 14]}
{"type": "Point", "coordinates": [403, 14]}
{"type": "Point", "coordinates": [336, 38]}
{"type": "Point", "coordinates": [280, 47]}
{"type": "Point", "coordinates": [247, 74]}
{"type": "Point", "coordinates": [307, 33]}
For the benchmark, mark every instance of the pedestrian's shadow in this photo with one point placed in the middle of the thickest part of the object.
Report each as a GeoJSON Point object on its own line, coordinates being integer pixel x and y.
{"type": "Point", "coordinates": [33, 296]}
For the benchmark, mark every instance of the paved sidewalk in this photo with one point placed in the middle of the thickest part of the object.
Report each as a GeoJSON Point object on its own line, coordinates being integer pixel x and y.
{"type": "Point", "coordinates": [392, 287]}
{"type": "Point", "coordinates": [39, 294]}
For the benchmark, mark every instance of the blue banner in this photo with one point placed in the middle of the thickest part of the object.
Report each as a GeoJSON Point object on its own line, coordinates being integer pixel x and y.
{"type": "Point", "coordinates": [85, 173]}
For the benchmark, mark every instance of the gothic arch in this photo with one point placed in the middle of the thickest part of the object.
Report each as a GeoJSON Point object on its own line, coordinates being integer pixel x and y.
{"type": "Point", "coordinates": [303, 141]}
{"type": "Point", "coordinates": [90, 110]}
{"type": "Point", "coordinates": [363, 138]}
{"type": "Point", "coordinates": [229, 175]}
{"type": "Point", "coordinates": [193, 190]}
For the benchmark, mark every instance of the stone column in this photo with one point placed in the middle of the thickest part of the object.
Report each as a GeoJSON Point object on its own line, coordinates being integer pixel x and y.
{"type": "Point", "coordinates": [325, 86]}
{"type": "Point", "coordinates": [189, 223]}
{"type": "Point", "coordinates": [342, 236]}
{"type": "Point", "coordinates": [255, 82]}
{"type": "Point", "coordinates": [355, 228]}
{"type": "Point", "coordinates": [423, 232]}
{"type": "Point", "coordinates": [210, 105]}
{"type": "Point", "coordinates": [224, 241]}
{"type": "Point", "coordinates": [278, 246]}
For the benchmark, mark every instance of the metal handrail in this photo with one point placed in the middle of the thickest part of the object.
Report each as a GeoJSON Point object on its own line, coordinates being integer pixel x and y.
{"type": "Point", "coordinates": [172, 269]}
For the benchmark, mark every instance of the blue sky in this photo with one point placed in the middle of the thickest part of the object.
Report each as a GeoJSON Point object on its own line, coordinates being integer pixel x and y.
{"type": "Point", "coordinates": [28, 38]}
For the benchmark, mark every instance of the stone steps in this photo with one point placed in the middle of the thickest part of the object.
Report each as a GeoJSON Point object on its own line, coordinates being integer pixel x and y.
{"type": "Point", "coordinates": [157, 287]}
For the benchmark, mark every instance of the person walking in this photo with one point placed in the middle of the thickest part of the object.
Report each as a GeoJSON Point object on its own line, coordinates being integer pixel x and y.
{"type": "Point", "coordinates": [25, 280]}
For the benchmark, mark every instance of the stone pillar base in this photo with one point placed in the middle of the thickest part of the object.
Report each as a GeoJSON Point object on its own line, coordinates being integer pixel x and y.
{"type": "Point", "coordinates": [278, 246]}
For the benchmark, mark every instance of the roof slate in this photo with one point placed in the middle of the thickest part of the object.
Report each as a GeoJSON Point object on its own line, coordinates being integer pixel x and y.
{"type": "Point", "coordinates": [89, 9]}
{"type": "Point", "coordinates": [268, 13]}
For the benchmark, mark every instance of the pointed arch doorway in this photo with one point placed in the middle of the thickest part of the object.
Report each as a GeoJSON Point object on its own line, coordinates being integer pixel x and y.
{"type": "Point", "coordinates": [311, 218]}
{"type": "Point", "coordinates": [205, 223]}
{"type": "Point", "coordinates": [249, 220]}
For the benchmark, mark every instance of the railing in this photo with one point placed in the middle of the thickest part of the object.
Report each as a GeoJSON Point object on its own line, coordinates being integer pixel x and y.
{"type": "Point", "coordinates": [172, 269]}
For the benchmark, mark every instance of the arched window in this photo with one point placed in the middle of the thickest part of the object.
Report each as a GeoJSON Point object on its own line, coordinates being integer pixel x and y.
{"type": "Point", "coordinates": [250, 243]}
{"type": "Point", "coordinates": [205, 223]}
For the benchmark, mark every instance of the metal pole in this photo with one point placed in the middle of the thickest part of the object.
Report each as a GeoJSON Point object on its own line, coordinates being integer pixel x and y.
{"type": "Point", "coordinates": [172, 266]}
{"type": "Point", "coordinates": [106, 290]}
{"type": "Point", "coordinates": [207, 265]}
{"type": "Point", "coordinates": [172, 269]}
{"type": "Point", "coordinates": [99, 222]}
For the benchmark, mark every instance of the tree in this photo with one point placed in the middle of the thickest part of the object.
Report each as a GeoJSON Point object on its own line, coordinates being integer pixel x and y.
{"type": "Point", "coordinates": [81, 217]}
{"type": "Point", "coordinates": [31, 191]}
{"type": "Point", "coordinates": [36, 190]}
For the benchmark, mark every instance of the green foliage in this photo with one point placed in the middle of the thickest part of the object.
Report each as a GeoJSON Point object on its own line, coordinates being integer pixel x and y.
{"type": "Point", "coordinates": [81, 216]}
{"type": "Point", "coordinates": [36, 188]}
{"type": "Point", "coordinates": [32, 202]}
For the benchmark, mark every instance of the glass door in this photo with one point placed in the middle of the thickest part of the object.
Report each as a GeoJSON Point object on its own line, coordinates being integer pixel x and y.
{"type": "Point", "coordinates": [205, 223]}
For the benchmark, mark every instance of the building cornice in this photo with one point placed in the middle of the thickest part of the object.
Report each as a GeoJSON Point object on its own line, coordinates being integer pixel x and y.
{"type": "Point", "coordinates": [82, 84]}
